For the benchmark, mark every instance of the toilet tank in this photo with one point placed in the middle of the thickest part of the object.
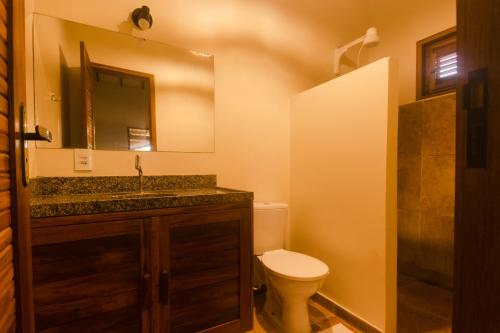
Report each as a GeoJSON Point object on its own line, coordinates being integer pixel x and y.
{"type": "Point", "coordinates": [269, 226]}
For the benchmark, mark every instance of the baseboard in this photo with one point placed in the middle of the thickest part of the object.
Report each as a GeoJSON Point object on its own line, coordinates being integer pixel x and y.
{"type": "Point", "coordinates": [344, 314]}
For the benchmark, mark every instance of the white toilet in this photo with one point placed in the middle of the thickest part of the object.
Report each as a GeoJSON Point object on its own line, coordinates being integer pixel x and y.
{"type": "Point", "coordinates": [291, 277]}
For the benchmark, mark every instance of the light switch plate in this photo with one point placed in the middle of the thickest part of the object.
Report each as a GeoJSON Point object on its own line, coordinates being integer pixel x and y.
{"type": "Point", "coordinates": [83, 159]}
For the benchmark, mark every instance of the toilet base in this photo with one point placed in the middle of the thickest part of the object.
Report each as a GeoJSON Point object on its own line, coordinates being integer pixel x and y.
{"type": "Point", "coordinates": [295, 317]}
{"type": "Point", "coordinates": [289, 317]}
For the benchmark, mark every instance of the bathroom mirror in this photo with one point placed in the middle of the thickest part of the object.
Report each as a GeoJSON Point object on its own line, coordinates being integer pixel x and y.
{"type": "Point", "coordinates": [100, 89]}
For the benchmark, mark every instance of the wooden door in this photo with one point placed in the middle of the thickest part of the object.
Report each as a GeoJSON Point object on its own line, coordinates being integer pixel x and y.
{"type": "Point", "coordinates": [92, 277]}
{"type": "Point", "coordinates": [477, 231]}
{"type": "Point", "coordinates": [16, 299]}
{"type": "Point", "coordinates": [7, 287]}
{"type": "Point", "coordinates": [205, 272]}
{"type": "Point", "coordinates": [87, 77]}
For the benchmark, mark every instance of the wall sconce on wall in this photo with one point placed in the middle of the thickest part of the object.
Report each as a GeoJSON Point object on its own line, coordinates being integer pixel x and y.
{"type": "Point", "coordinates": [142, 18]}
{"type": "Point", "coordinates": [370, 39]}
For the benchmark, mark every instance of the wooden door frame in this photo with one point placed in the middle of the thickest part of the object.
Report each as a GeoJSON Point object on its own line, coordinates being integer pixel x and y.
{"type": "Point", "coordinates": [20, 210]}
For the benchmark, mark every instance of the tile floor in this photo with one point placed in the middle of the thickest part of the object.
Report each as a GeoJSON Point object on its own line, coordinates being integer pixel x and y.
{"type": "Point", "coordinates": [322, 320]}
{"type": "Point", "coordinates": [423, 308]}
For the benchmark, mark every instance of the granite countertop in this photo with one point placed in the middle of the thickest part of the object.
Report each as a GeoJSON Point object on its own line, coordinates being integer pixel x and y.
{"type": "Point", "coordinates": [63, 196]}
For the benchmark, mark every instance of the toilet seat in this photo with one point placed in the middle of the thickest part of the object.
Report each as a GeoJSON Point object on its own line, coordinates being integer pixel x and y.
{"type": "Point", "coordinates": [294, 266]}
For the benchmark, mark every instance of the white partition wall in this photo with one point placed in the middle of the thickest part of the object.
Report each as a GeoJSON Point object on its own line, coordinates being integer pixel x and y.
{"type": "Point", "coordinates": [343, 188]}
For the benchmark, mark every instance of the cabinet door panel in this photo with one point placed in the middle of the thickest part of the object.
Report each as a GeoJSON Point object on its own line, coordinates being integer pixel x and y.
{"type": "Point", "coordinates": [120, 321]}
{"type": "Point", "coordinates": [105, 254]}
{"type": "Point", "coordinates": [87, 287]}
{"type": "Point", "coordinates": [199, 278]}
{"type": "Point", "coordinates": [201, 308]}
{"type": "Point", "coordinates": [199, 237]}
{"type": "Point", "coordinates": [203, 254]}
{"type": "Point", "coordinates": [90, 277]}
{"type": "Point", "coordinates": [205, 261]}
{"type": "Point", "coordinates": [55, 315]}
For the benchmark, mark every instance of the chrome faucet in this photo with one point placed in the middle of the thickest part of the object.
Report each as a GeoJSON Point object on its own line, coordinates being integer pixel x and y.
{"type": "Point", "coordinates": [139, 170]}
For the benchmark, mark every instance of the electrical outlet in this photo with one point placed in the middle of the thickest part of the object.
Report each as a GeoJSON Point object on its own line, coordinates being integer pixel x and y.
{"type": "Point", "coordinates": [83, 159]}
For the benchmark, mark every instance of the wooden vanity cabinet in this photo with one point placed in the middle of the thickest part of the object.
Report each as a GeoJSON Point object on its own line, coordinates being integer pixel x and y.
{"type": "Point", "coordinates": [172, 270]}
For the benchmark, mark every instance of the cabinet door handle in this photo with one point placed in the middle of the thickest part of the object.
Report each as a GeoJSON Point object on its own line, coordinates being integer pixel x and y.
{"type": "Point", "coordinates": [164, 286]}
{"type": "Point", "coordinates": [146, 291]}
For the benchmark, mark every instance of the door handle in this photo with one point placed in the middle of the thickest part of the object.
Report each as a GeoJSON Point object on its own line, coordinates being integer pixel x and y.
{"type": "Point", "coordinates": [476, 103]}
{"type": "Point", "coordinates": [41, 134]}
{"type": "Point", "coordinates": [164, 286]}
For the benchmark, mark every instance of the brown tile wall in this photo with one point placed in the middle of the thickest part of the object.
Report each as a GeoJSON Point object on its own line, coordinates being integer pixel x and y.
{"type": "Point", "coordinates": [426, 189]}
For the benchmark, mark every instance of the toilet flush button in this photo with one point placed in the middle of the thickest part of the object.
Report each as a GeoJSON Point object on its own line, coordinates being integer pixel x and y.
{"type": "Point", "coordinates": [83, 159]}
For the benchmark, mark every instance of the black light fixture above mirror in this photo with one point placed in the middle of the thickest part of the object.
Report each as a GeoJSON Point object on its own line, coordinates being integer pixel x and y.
{"type": "Point", "coordinates": [142, 18]}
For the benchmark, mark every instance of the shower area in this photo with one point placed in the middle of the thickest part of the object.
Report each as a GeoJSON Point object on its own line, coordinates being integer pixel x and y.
{"type": "Point", "coordinates": [426, 196]}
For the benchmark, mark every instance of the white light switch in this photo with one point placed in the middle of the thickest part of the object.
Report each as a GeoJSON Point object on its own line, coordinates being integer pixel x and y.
{"type": "Point", "coordinates": [83, 159]}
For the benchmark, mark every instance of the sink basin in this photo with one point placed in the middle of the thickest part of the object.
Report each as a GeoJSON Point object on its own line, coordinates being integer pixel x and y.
{"type": "Point", "coordinates": [147, 194]}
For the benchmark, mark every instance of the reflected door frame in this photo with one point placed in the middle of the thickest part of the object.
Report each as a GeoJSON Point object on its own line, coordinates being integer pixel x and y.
{"type": "Point", "coordinates": [152, 98]}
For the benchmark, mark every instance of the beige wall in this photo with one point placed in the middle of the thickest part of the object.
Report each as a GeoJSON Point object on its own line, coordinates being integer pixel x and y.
{"type": "Point", "coordinates": [265, 52]}
{"type": "Point", "coordinates": [401, 24]}
{"type": "Point", "coordinates": [343, 187]}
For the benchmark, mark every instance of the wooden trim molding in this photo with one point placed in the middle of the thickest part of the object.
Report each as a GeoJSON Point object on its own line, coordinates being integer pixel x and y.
{"type": "Point", "coordinates": [44, 222]}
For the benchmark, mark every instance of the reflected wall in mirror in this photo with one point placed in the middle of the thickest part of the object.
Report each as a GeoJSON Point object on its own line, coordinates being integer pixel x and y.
{"type": "Point", "coordinates": [101, 89]}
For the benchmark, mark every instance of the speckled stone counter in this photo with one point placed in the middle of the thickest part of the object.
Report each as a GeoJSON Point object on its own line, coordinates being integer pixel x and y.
{"type": "Point", "coordinates": [113, 184]}
{"type": "Point", "coordinates": [65, 196]}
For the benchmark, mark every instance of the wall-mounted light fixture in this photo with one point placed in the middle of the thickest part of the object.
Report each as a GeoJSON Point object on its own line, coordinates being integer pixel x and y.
{"type": "Point", "coordinates": [370, 39]}
{"type": "Point", "coordinates": [142, 18]}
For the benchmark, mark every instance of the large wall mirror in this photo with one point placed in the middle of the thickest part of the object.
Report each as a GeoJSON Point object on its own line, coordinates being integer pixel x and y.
{"type": "Point", "coordinates": [101, 89]}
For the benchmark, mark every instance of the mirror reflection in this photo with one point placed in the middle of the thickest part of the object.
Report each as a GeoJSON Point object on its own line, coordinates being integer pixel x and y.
{"type": "Point", "coordinates": [100, 89]}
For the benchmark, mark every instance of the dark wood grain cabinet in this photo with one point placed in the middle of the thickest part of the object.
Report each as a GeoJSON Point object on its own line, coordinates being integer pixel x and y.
{"type": "Point", "coordinates": [173, 270]}
{"type": "Point", "coordinates": [92, 276]}
{"type": "Point", "coordinates": [204, 270]}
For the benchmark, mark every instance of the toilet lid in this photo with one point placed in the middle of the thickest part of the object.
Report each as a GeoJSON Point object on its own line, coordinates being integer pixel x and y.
{"type": "Point", "coordinates": [293, 265]}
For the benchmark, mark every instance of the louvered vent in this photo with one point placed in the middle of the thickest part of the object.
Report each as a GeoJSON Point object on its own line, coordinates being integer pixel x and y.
{"type": "Point", "coordinates": [446, 67]}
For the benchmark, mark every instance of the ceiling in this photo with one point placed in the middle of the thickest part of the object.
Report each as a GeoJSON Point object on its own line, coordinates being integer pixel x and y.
{"type": "Point", "coordinates": [209, 19]}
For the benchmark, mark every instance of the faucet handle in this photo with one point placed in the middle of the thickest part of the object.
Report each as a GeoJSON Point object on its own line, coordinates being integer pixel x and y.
{"type": "Point", "coordinates": [137, 162]}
